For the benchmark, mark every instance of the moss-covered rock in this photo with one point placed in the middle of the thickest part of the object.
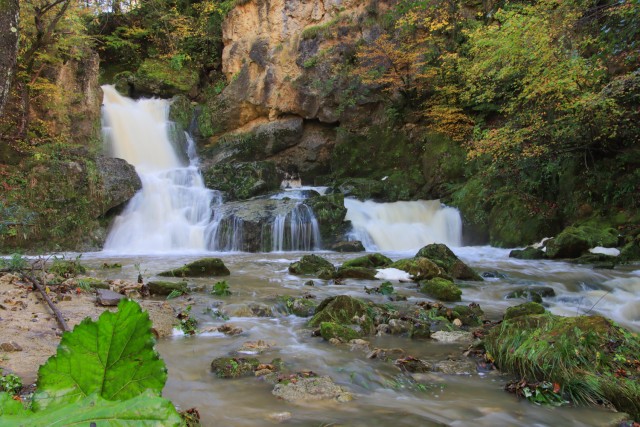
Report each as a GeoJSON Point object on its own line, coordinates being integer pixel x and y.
{"type": "Point", "coordinates": [575, 241]}
{"type": "Point", "coordinates": [242, 180]}
{"type": "Point", "coordinates": [330, 330]}
{"type": "Point", "coordinates": [202, 268]}
{"type": "Point", "coordinates": [356, 273]}
{"type": "Point", "coordinates": [163, 288]}
{"type": "Point", "coordinates": [589, 357]}
{"type": "Point", "coordinates": [631, 251]}
{"type": "Point", "coordinates": [348, 246]}
{"type": "Point", "coordinates": [469, 315]}
{"type": "Point", "coordinates": [369, 261]}
{"type": "Point", "coordinates": [420, 268]}
{"type": "Point", "coordinates": [534, 294]}
{"type": "Point", "coordinates": [310, 265]}
{"type": "Point", "coordinates": [441, 289]}
{"type": "Point", "coordinates": [526, 309]}
{"type": "Point", "coordinates": [362, 189]}
{"type": "Point", "coordinates": [340, 309]}
{"type": "Point", "coordinates": [330, 213]}
{"type": "Point", "coordinates": [443, 256]}
{"type": "Point", "coordinates": [234, 367]}
{"type": "Point", "coordinates": [528, 253]}
{"type": "Point", "coordinates": [301, 307]}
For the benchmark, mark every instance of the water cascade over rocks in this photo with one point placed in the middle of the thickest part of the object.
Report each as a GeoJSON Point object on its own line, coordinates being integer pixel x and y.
{"type": "Point", "coordinates": [403, 226]}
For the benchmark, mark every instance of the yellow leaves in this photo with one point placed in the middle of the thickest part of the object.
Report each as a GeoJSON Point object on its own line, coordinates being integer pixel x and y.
{"type": "Point", "coordinates": [450, 121]}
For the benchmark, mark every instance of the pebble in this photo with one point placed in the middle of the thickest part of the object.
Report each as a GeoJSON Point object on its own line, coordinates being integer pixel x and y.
{"type": "Point", "coordinates": [108, 298]}
{"type": "Point", "coordinates": [10, 346]}
{"type": "Point", "coordinates": [279, 417]}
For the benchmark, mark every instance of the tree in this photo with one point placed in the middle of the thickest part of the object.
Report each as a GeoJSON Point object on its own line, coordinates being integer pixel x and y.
{"type": "Point", "coordinates": [9, 18]}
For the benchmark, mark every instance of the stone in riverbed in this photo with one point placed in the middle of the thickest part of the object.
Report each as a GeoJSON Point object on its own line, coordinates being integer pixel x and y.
{"type": "Point", "coordinates": [348, 246]}
{"type": "Point", "coordinates": [340, 309]}
{"type": "Point", "coordinates": [412, 364]}
{"type": "Point", "coordinates": [108, 298]}
{"type": "Point", "coordinates": [453, 337]}
{"type": "Point", "coordinates": [164, 288]}
{"type": "Point", "coordinates": [202, 268]}
{"type": "Point", "coordinates": [528, 253]}
{"type": "Point", "coordinates": [534, 294]}
{"type": "Point", "coordinates": [369, 261]}
{"type": "Point", "coordinates": [441, 289]}
{"type": "Point", "coordinates": [420, 268]}
{"type": "Point", "coordinates": [234, 367]}
{"type": "Point", "coordinates": [310, 265]}
{"type": "Point", "coordinates": [329, 330]}
{"type": "Point", "coordinates": [310, 389]}
{"type": "Point", "coordinates": [363, 273]}
{"type": "Point", "coordinates": [526, 309]}
{"type": "Point", "coordinates": [456, 367]}
{"type": "Point", "coordinates": [10, 346]}
{"type": "Point", "coordinates": [443, 256]}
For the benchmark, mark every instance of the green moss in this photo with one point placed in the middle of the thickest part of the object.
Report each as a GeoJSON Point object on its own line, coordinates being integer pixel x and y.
{"type": "Point", "coordinates": [589, 357]}
{"type": "Point", "coordinates": [576, 240]}
{"type": "Point", "coordinates": [469, 315]}
{"type": "Point", "coordinates": [369, 261]}
{"type": "Point", "coordinates": [340, 309]}
{"type": "Point", "coordinates": [242, 180]}
{"type": "Point", "coordinates": [420, 268]}
{"type": "Point", "coordinates": [356, 273]}
{"type": "Point", "coordinates": [441, 289]}
{"type": "Point", "coordinates": [528, 253]}
{"type": "Point", "coordinates": [310, 265]}
{"type": "Point", "coordinates": [166, 288]}
{"type": "Point", "coordinates": [442, 256]}
{"type": "Point", "coordinates": [526, 309]}
{"type": "Point", "coordinates": [201, 268]}
{"type": "Point", "coordinates": [330, 213]}
{"type": "Point", "coordinates": [181, 111]}
{"type": "Point", "coordinates": [330, 330]}
{"type": "Point", "coordinates": [301, 307]}
{"type": "Point", "coordinates": [234, 367]}
{"type": "Point", "coordinates": [160, 78]}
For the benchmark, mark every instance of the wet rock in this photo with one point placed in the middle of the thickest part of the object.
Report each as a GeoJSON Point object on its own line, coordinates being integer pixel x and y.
{"type": "Point", "coordinates": [456, 367]}
{"type": "Point", "coordinates": [234, 367]}
{"type": "Point", "coordinates": [363, 273]}
{"type": "Point", "coordinates": [386, 353]}
{"type": "Point", "coordinates": [382, 329]}
{"type": "Point", "coordinates": [575, 241]}
{"type": "Point", "coordinates": [443, 256]}
{"type": "Point", "coordinates": [279, 417]}
{"type": "Point", "coordinates": [202, 268]}
{"type": "Point", "coordinates": [164, 288]}
{"type": "Point", "coordinates": [453, 337]}
{"type": "Point", "coordinates": [253, 309]}
{"type": "Point", "coordinates": [398, 327]}
{"type": "Point", "coordinates": [301, 307]}
{"type": "Point", "coordinates": [359, 344]}
{"type": "Point", "coordinates": [309, 389]}
{"type": "Point", "coordinates": [469, 315]}
{"type": "Point", "coordinates": [369, 261]}
{"type": "Point", "coordinates": [241, 180]}
{"type": "Point", "coordinates": [108, 298]}
{"type": "Point", "coordinates": [10, 346]}
{"type": "Point", "coordinates": [340, 309]}
{"type": "Point", "coordinates": [525, 309]}
{"type": "Point", "coordinates": [493, 275]}
{"type": "Point", "coordinates": [441, 289]}
{"type": "Point", "coordinates": [119, 181]}
{"type": "Point", "coordinates": [420, 268]}
{"type": "Point", "coordinates": [229, 329]}
{"type": "Point", "coordinates": [528, 253]}
{"type": "Point", "coordinates": [412, 364]}
{"type": "Point", "coordinates": [534, 294]}
{"type": "Point", "coordinates": [348, 246]}
{"type": "Point", "coordinates": [255, 347]}
{"type": "Point", "coordinates": [309, 283]}
{"type": "Point", "coordinates": [420, 330]}
{"type": "Point", "coordinates": [310, 265]}
{"type": "Point", "coordinates": [332, 330]}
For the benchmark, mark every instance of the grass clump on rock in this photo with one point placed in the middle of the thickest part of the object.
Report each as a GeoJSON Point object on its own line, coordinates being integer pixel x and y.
{"type": "Point", "coordinates": [593, 360]}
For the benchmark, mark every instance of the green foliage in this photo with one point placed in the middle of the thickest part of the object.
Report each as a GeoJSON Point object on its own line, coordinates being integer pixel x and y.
{"type": "Point", "coordinates": [221, 289]}
{"type": "Point", "coordinates": [11, 384]}
{"type": "Point", "coordinates": [67, 268]}
{"type": "Point", "coordinates": [102, 370]}
{"type": "Point", "coordinates": [15, 263]}
{"type": "Point", "coordinates": [188, 324]}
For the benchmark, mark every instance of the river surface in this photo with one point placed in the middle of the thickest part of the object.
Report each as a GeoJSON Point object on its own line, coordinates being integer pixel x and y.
{"type": "Point", "coordinates": [383, 395]}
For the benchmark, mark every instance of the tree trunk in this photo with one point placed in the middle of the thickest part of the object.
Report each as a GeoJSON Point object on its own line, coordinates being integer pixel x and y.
{"type": "Point", "coordinates": [9, 15]}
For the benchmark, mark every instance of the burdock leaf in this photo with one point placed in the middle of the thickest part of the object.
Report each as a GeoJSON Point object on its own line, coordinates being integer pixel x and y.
{"type": "Point", "coordinates": [144, 410]}
{"type": "Point", "coordinates": [113, 358]}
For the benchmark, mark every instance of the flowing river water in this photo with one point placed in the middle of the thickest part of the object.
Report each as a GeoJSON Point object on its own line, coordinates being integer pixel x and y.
{"type": "Point", "coordinates": [169, 223]}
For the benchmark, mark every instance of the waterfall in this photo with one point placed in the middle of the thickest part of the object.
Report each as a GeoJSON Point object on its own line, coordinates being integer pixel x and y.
{"type": "Point", "coordinates": [298, 230]}
{"type": "Point", "coordinates": [173, 209]}
{"type": "Point", "coordinates": [403, 226]}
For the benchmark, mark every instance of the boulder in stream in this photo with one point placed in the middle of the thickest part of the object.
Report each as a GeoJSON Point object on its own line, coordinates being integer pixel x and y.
{"type": "Point", "coordinates": [234, 367]}
{"type": "Point", "coordinates": [526, 309]}
{"type": "Point", "coordinates": [329, 330]}
{"type": "Point", "coordinates": [204, 267]}
{"type": "Point", "coordinates": [341, 309]}
{"type": "Point", "coordinates": [369, 261]}
{"type": "Point", "coordinates": [528, 253]}
{"type": "Point", "coordinates": [310, 265]}
{"type": "Point", "coordinates": [309, 389]}
{"type": "Point", "coordinates": [420, 268]}
{"type": "Point", "coordinates": [164, 288]}
{"type": "Point", "coordinates": [576, 240]}
{"type": "Point", "coordinates": [441, 289]}
{"type": "Point", "coordinates": [356, 273]}
{"type": "Point", "coordinates": [348, 246]}
{"type": "Point", "coordinates": [533, 293]}
{"type": "Point", "coordinates": [443, 256]}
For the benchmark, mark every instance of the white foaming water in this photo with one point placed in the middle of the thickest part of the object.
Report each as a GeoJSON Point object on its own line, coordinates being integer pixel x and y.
{"type": "Point", "coordinates": [403, 226]}
{"type": "Point", "coordinates": [298, 230]}
{"type": "Point", "coordinates": [173, 209]}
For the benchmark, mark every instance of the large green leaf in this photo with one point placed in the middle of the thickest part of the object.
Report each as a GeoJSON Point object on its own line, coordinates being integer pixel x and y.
{"type": "Point", "coordinates": [144, 410]}
{"type": "Point", "coordinates": [113, 357]}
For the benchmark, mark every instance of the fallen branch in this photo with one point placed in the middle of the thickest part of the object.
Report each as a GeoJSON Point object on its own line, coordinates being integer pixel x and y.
{"type": "Point", "coordinates": [36, 283]}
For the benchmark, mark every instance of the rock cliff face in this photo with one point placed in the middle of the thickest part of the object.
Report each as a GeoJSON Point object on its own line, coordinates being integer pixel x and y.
{"type": "Point", "coordinates": [280, 59]}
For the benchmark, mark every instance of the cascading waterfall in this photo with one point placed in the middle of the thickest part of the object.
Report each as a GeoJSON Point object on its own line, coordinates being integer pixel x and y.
{"type": "Point", "coordinates": [173, 209]}
{"type": "Point", "coordinates": [297, 230]}
{"type": "Point", "coordinates": [403, 226]}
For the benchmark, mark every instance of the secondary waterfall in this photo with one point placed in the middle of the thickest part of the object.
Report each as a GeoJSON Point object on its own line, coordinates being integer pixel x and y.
{"type": "Point", "coordinates": [173, 209]}
{"type": "Point", "coordinates": [403, 226]}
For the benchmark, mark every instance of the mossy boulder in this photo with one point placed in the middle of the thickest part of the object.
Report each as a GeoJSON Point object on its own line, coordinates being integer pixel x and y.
{"type": "Point", "coordinates": [369, 261]}
{"type": "Point", "coordinates": [311, 265]}
{"type": "Point", "coordinates": [202, 268]}
{"type": "Point", "coordinates": [340, 309]}
{"type": "Point", "coordinates": [631, 251]}
{"type": "Point", "coordinates": [528, 253]}
{"type": "Point", "coordinates": [330, 214]}
{"type": "Point", "coordinates": [348, 246]}
{"type": "Point", "coordinates": [330, 330]}
{"type": "Point", "coordinates": [442, 256]}
{"type": "Point", "coordinates": [242, 180]}
{"type": "Point", "coordinates": [420, 268]}
{"type": "Point", "coordinates": [575, 241]}
{"type": "Point", "coordinates": [469, 315]}
{"type": "Point", "coordinates": [441, 289]}
{"type": "Point", "coordinates": [526, 309]}
{"type": "Point", "coordinates": [356, 273]}
{"type": "Point", "coordinates": [234, 367]}
{"type": "Point", "coordinates": [534, 294]}
{"type": "Point", "coordinates": [301, 307]}
{"type": "Point", "coordinates": [163, 288]}
{"type": "Point", "coordinates": [161, 78]}
{"type": "Point", "coordinates": [591, 358]}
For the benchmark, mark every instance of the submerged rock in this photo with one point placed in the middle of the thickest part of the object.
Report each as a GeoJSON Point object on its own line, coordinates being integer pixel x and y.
{"type": "Point", "coordinates": [310, 265]}
{"type": "Point", "coordinates": [202, 268]}
{"type": "Point", "coordinates": [591, 359]}
{"type": "Point", "coordinates": [310, 389]}
{"type": "Point", "coordinates": [301, 307]}
{"type": "Point", "coordinates": [528, 253]}
{"type": "Point", "coordinates": [457, 337]}
{"type": "Point", "coordinates": [534, 294]}
{"type": "Point", "coordinates": [412, 364]}
{"type": "Point", "coordinates": [575, 241]}
{"type": "Point", "coordinates": [455, 367]}
{"type": "Point", "coordinates": [443, 256]}
{"type": "Point", "coordinates": [525, 309]}
{"type": "Point", "coordinates": [469, 315]}
{"type": "Point", "coordinates": [441, 289]}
